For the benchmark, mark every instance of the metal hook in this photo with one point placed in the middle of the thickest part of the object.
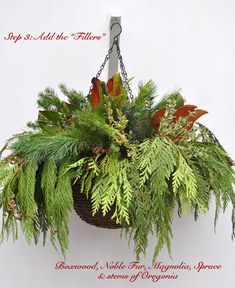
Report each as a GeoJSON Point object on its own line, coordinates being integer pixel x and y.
{"type": "Point", "coordinates": [115, 38]}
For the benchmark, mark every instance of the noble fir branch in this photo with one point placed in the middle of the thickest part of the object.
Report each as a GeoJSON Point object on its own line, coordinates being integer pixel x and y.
{"type": "Point", "coordinates": [7, 174]}
{"type": "Point", "coordinates": [63, 203]}
{"type": "Point", "coordinates": [41, 225]}
{"type": "Point", "coordinates": [40, 146]}
{"type": "Point", "coordinates": [9, 227]}
{"type": "Point", "coordinates": [9, 188]}
{"type": "Point", "coordinates": [48, 184]}
{"type": "Point", "coordinates": [25, 199]}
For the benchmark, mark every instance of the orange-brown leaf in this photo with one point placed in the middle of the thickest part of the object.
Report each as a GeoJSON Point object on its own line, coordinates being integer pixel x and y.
{"type": "Point", "coordinates": [110, 86]}
{"type": "Point", "coordinates": [198, 113]}
{"type": "Point", "coordinates": [157, 118]}
{"type": "Point", "coordinates": [183, 111]}
{"type": "Point", "coordinates": [95, 92]}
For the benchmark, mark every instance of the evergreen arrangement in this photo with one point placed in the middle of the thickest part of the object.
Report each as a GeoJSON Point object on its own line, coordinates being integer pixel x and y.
{"type": "Point", "coordinates": [140, 157]}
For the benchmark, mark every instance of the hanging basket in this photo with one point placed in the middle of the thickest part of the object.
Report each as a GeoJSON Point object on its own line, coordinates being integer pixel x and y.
{"type": "Point", "coordinates": [120, 161]}
{"type": "Point", "coordinates": [83, 208]}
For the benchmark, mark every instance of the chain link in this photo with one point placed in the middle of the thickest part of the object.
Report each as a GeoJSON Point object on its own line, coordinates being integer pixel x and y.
{"type": "Point", "coordinates": [122, 68]}
{"type": "Point", "coordinates": [124, 73]}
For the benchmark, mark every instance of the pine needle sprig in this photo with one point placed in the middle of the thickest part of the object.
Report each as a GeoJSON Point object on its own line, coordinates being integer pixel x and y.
{"type": "Point", "coordinates": [25, 199]}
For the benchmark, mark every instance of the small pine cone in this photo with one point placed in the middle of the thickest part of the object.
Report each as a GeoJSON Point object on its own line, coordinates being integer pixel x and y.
{"type": "Point", "coordinates": [87, 168]}
{"type": "Point", "coordinates": [97, 150]}
{"type": "Point", "coordinates": [18, 217]}
{"type": "Point", "coordinates": [9, 207]}
{"type": "Point", "coordinates": [70, 118]}
{"type": "Point", "coordinates": [13, 159]}
{"type": "Point", "coordinates": [230, 161]}
{"type": "Point", "coordinates": [54, 231]}
{"type": "Point", "coordinates": [109, 150]}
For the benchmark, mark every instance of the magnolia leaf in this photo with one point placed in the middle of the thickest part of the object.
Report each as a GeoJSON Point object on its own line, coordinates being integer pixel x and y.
{"type": "Point", "coordinates": [95, 92]}
{"type": "Point", "coordinates": [183, 111]}
{"type": "Point", "coordinates": [69, 108]}
{"type": "Point", "coordinates": [113, 85]}
{"type": "Point", "coordinates": [50, 115]}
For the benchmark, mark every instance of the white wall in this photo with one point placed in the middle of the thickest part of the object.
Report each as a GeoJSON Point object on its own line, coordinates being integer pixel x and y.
{"type": "Point", "coordinates": [188, 44]}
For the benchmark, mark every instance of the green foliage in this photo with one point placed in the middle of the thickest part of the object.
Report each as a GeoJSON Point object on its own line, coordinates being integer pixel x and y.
{"type": "Point", "coordinates": [146, 95]}
{"type": "Point", "coordinates": [48, 184]}
{"type": "Point", "coordinates": [184, 176]}
{"type": "Point", "coordinates": [25, 198]}
{"type": "Point", "coordinates": [74, 98]}
{"type": "Point", "coordinates": [48, 100]}
{"type": "Point", "coordinates": [175, 96]}
{"type": "Point", "coordinates": [108, 183]}
{"type": "Point", "coordinates": [140, 114]}
{"type": "Point", "coordinates": [62, 203]}
{"type": "Point", "coordinates": [8, 184]}
{"type": "Point", "coordinates": [157, 158]}
{"type": "Point", "coordinates": [119, 162]}
{"type": "Point", "coordinates": [40, 146]}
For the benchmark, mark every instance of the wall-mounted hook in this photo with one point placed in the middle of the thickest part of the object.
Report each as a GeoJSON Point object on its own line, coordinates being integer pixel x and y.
{"type": "Point", "coordinates": [114, 36]}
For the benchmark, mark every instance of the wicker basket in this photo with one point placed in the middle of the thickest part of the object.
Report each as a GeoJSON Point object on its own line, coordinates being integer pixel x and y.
{"type": "Point", "coordinates": [82, 206]}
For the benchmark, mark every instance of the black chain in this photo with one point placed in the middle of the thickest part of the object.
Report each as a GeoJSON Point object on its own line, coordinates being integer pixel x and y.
{"type": "Point", "coordinates": [124, 73]}
{"type": "Point", "coordinates": [122, 68]}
